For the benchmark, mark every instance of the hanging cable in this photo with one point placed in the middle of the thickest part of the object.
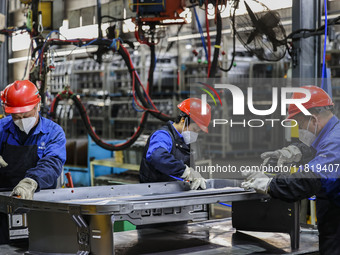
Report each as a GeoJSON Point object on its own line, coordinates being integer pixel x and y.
{"type": "Point", "coordinates": [324, 50]}
{"type": "Point", "coordinates": [28, 59]}
{"type": "Point", "coordinates": [151, 69]}
{"type": "Point", "coordinates": [147, 104]}
{"type": "Point", "coordinates": [234, 41]}
{"type": "Point", "coordinates": [208, 36]}
{"type": "Point", "coordinates": [138, 89]}
{"type": "Point", "coordinates": [305, 33]}
{"type": "Point", "coordinates": [217, 46]}
{"type": "Point", "coordinates": [67, 94]}
{"type": "Point", "coordinates": [201, 32]}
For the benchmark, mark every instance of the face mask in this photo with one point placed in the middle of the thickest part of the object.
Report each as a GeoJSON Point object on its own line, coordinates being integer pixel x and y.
{"type": "Point", "coordinates": [306, 136]}
{"type": "Point", "coordinates": [26, 124]}
{"type": "Point", "coordinates": [189, 136]}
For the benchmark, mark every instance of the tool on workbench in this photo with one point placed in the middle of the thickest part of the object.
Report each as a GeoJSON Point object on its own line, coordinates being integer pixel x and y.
{"type": "Point", "coordinates": [69, 183]}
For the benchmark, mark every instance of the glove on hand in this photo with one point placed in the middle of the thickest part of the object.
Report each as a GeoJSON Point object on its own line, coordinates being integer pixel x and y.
{"type": "Point", "coordinates": [195, 178]}
{"type": "Point", "coordinates": [2, 162]}
{"type": "Point", "coordinates": [25, 188]}
{"type": "Point", "coordinates": [290, 154]}
{"type": "Point", "coordinates": [257, 181]}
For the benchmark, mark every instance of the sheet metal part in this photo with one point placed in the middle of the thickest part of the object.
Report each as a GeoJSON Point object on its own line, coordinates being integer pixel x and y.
{"type": "Point", "coordinates": [124, 199]}
{"type": "Point", "coordinates": [80, 220]}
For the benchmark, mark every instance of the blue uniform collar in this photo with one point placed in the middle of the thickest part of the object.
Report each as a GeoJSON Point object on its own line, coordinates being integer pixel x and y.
{"type": "Point", "coordinates": [180, 135]}
{"type": "Point", "coordinates": [39, 128]}
{"type": "Point", "coordinates": [326, 129]}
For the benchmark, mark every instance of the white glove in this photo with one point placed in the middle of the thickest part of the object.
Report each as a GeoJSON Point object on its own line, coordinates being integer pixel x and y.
{"type": "Point", "coordinates": [195, 178]}
{"type": "Point", "coordinates": [25, 188]}
{"type": "Point", "coordinates": [257, 181]}
{"type": "Point", "coordinates": [3, 163]}
{"type": "Point", "coordinates": [290, 154]}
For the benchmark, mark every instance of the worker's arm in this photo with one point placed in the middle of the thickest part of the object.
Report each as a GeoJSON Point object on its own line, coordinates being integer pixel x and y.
{"type": "Point", "coordinates": [321, 173]}
{"type": "Point", "coordinates": [294, 187]}
{"type": "Point", "coordinates": [160, 157]}
{"type": "Point", "coordinates": [49, 166]}
{"type": "Point", "coordinates": [308, 153]}
{"type": "Point", "coordinates": [296, 153]}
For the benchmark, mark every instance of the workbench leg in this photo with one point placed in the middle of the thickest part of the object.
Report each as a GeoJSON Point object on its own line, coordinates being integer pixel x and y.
{"type": "Point", "coordinates": [101, 234]}
{"type": "Point", "coordinates": [295, 233]}
{"type": "Point", "coordinates": [70, 233]}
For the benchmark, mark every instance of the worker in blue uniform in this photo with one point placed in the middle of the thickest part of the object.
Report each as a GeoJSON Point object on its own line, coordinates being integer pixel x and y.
{"type": "Point", "coordinates": [32, 148]}
{"type": "Point", "coordinates": [167, 152]}
{"type": "Point", "coordinates": [320, 176]}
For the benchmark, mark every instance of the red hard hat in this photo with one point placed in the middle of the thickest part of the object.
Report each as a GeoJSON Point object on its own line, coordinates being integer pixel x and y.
{"type": "Point", "coordinates": [192, 107]}
{"type": "Point", "coordinates": [319, 98]}
{"type": "Point", "coordinates": [20, 96]}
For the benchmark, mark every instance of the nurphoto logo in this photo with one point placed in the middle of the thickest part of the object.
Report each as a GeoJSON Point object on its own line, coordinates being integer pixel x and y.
{"type": "Point", "coordinates": [238, 107]}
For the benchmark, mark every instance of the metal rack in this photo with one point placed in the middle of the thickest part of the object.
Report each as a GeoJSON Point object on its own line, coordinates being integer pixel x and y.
{"type": "Point", "coordinates": [105, 90]}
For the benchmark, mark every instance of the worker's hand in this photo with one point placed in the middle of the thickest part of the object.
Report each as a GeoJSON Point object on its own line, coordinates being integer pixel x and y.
{"type": "Point", "coordinates": [257, 181]}
{"type": "Point", "coordinates": [3, 163]}
{"type": "Point", "coordinates": [195, 178]}
{"type": "Point", "coordinates": [25, 188]}
{"type": "Point", "coordinates": [290, 154]}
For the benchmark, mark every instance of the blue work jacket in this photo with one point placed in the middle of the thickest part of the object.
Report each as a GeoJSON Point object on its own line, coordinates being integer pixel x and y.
{"type": "Point", "coordinates": [165, 154]}
{"type": "Point", "coordinates": [320, 177]}
{"type": "Point", "coordinates": [326, 163]}
{"type": "Point", "coordinates": [50, 140]}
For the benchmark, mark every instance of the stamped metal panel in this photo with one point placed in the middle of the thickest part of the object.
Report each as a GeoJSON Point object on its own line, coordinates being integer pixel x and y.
{"type": "Point", "coordinates": [123, 199]}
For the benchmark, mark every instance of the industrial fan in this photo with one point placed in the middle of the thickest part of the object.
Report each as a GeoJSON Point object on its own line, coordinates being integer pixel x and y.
{"type": "Point", "coordinates": [260, 32]}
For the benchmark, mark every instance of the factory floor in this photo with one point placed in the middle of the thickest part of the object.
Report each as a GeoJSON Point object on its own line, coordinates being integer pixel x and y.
{"type": "Point", "coordinates": [204, 238]}
{"type": "Point", "coordinates": [213, 237]}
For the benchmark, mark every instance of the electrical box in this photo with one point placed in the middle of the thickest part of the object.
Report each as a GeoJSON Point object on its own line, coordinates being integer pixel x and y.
{"type": "Point", "coordinates": [149, 6]}
{"type": "Point", "coordinates": [2, 25]}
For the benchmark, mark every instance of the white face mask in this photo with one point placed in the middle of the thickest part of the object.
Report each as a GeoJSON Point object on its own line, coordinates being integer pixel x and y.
{"type": "Point", "coordinates": [189, 136]}
{"type": "Point", "coordinates": [26, 124]}
{"type": "Point", "coordinates": [306, 136]}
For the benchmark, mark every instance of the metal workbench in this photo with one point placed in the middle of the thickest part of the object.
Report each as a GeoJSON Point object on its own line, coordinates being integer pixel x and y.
{"type": "Point", "coordinates": [204, 238]}
{"type": "Point", "coordinates": [80, 220]}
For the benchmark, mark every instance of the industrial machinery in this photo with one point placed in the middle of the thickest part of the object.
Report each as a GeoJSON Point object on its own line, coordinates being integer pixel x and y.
{"type": "Point", "coordinates": [158, 11]}
{"type": "Point", "coordinates": [80, 220]}
{"type": "Point", "coordinates": [152, 15]}
{"type": "Point", "coordinates": [56, 79]}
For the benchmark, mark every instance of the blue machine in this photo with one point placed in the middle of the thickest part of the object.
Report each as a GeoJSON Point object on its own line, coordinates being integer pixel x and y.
{"type": "Point", "coordinates": [149, 6]}
{"type": "Point", "coordinates": [81, 175]}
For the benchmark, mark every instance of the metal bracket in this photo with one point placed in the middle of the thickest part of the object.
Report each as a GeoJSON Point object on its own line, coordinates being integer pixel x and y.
{"type": "Point", "coordinates": [83, 231]}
